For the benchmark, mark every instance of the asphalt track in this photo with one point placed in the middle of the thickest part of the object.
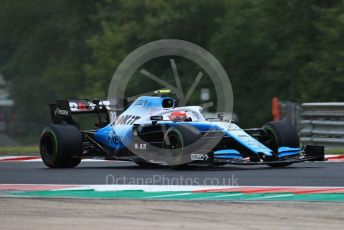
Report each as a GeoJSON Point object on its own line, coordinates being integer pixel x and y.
{"type": "Point", "coordinates": [108, 172]}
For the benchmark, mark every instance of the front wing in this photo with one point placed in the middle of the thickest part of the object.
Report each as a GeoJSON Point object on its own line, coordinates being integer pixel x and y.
{"type": "Point", "coordinates": [309, 153]}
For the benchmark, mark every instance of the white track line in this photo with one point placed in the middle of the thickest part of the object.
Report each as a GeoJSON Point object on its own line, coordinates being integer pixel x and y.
{"type": "Point", "coordinates": [268, 197]}
{"type": "Point", "coordinates": [152, 188]}
{"type": "Point", "coordinates": [169, 195]}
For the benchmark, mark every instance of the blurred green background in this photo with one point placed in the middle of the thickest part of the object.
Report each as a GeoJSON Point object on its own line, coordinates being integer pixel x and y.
{"type": "Point", "coordinates": [291, 49]}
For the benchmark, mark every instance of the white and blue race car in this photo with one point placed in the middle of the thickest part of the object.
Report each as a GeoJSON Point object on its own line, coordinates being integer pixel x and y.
{"type": "Point", "coordinates": [152, 131]}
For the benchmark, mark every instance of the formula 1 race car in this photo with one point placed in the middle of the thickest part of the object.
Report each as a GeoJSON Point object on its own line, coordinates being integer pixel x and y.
{"type": "Point", "coordinates": [152, 131]}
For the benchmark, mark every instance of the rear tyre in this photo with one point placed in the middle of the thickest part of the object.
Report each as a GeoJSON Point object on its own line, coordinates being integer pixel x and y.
{"type": "Point", "coordinates": [281, 134]}
{"type": "Point", "coordinates": [60, 145]}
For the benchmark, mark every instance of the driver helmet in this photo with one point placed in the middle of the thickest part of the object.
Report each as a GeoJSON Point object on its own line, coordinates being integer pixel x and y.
{"type": "Point", "coordinates": [178, 116]}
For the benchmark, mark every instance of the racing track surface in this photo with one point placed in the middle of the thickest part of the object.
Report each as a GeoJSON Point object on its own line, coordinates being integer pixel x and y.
{"type": "Point", "coordinates": [108, 172]}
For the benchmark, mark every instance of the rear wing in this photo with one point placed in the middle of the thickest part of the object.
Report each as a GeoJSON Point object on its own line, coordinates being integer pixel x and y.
{"type": "Point", "coordinates": [62, 111]}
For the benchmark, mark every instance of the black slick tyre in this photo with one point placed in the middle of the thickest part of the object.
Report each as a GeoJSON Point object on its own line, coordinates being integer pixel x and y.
{"type": "Point", "coordinates": [60, 146]}
{"type": "Point", "coordinates": [281, 134]}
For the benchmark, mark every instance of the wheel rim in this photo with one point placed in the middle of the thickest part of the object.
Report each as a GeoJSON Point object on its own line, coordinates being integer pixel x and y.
{"type": "Point", "coordinates": [273, 141]}
{"type": "Point", "coordinates": [47, 146]}
{"type": "Point", "coordinates": [173, 142]}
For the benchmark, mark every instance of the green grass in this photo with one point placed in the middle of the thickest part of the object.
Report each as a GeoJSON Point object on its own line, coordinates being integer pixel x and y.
{"type": "Point", "coordinates": [19, 150]}
{"type": "Point", "coordinates": [334, 151]}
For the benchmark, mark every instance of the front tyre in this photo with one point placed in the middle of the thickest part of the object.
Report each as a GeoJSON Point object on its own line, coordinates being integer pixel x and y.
{"type": "Point", "coordinates": [59, 144]}
{"type": "Point", "coordinates": [174, 142]}
{"type": "Point", "coordinates": [281, 133]}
